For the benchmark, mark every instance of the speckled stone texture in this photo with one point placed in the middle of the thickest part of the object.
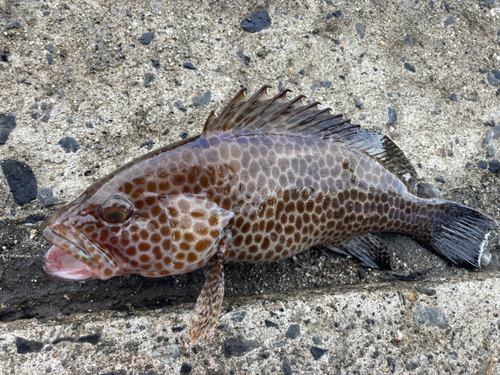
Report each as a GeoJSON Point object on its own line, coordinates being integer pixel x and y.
{"type": "Point", "coordinates": [333, 52]}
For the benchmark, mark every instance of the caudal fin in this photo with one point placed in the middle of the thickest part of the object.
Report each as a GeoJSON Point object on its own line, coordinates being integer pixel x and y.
{"type": "Point", "coordinates": [459, 234]}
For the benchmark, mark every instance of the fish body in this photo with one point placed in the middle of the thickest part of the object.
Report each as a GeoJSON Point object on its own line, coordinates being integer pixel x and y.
{"type": "Point", "coordinates": [267, 179]}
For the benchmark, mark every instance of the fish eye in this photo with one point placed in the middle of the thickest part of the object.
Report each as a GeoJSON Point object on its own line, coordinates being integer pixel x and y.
{"type": "Point", "coordinates": [116, 209]}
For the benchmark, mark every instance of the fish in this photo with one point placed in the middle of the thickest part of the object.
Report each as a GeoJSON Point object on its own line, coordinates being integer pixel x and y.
{"type": "Point", "coordinates": [268, 178]}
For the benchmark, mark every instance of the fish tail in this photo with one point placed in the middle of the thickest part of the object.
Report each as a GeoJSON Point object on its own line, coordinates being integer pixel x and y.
{"type": "Point", "coordinates": [458, 233]}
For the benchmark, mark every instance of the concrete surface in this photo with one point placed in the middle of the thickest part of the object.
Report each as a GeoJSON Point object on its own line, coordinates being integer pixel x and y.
{"type": "Point", "coordinates": [78, 70]}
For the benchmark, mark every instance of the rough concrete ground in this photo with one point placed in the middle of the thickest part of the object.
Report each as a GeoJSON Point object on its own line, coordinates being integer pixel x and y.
{"type": "Point", "coordinates": [79, 70]}
{"type": "Point", "coordinates": [447, 326]}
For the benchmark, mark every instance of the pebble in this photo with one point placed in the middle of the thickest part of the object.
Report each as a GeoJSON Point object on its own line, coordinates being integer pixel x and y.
{"type": "Point", "coordinates": [490, 151]}
{"type": "Point", "coordinates": [156, 64]}
{"type": "Point", "coordinates": [7, 124]}
{"type": "Point", "coordinates": [492, 81]}
{"type": "Point", "coordinates": [184, 135]}
{"type": "Point", "coordinates": [426, 291]}
{"type": "Point", "coordinates": [391, 112]}
{"type": "Point", "coordinates": [186, 369]}
{"type": "Point", "coordinates": [358, 103]}
{"type": "Point", "coordinates": [148, 78]}
{"type": "Point", "coordinates": [449, 21]}
{"type": "Point", "coordinates": [453, 97]}
{"type": "Point", "coordinates": [239, 54]}
{"type": "Point", "coordinates": [166, 354]}
{"type": "Point", "coordinates": [204, 99]}
{"type": "Point", "coordinates": [411, 366]}
{"type": "Point", "coordinates": [27, 346]}
{"type": "Point", "coordinates": [412, 297]}
{"type": "Point", "coordinates": [148, 144]}
{"type": "Point", "coordinates": [318, 352]}
{"type": "Point", "coordinates": [440, 179]}
{"type": "Point", "coordinates": [246, 60]}
{"type": "Point", "coordinates": [180, 107]}
{"type": "Point", "coordinates": [46, 196]}
{"type": "Point", "coordinates": [431, 4]}
{"type": "Point", "coordinates": [49, 58]}
{"type": "Point", "coordinates": [338, 14]}
{"type": "Point", "coordinates": [146, 38]}
{"type": "Point", "coordinates": [33, 219]}
{"type": "Point", "coordinates": [409, 67]}
{"type": "Point", "coordinates": [13, 25]}
{"type": "Point", "coordinates": [328, 16]}
{"type": "Point", "coordinates": [302, 71]}
{"type": "Point", "coordinates": [315, 86]}
{"type": "Point", "coordinates": [293, 331]}
{"type": "Point", "coordinates": [483, 70]}
{"type": "Point", "coordinates": [69, 144]}
{"type": "Point", "coordinates": [50, 48]}
{"type": "Point", "coordinates": [482, 164]}
{"type": "Point", "coordinates": [239, 316]}
{"type": "Point", "coordinates": [238, 347]}
{"type": "Point", "coordinates": [257, 22]}
{"type": "Point", "coordinates": [432, 316]}
{"type": "Point", "coordinates": [91, 339]}
{"type": "Point", "coordinates": [21, 180]}
{"type": "Point", "coordinates": [490, 123]}
{"type": "Point", "coordinates": [494, 166]}
{"type": "Point", "coordinates": [287, 368]}
{"type": "Point", "coordinates": [325, 84]}
{"type": "Point", "coordinates": [496, 74]}
{"type": "Point", "coordinates": [270, 323]}
{"type": "Point", "coordinates": [46, 117]}
{"type": "Point", "coordinates": [361, 30]}
{"type": "Point", "coordinates": [190, 66]}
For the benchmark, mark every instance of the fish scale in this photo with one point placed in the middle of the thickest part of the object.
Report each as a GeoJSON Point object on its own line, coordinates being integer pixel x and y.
{"type": "Point", "coordinates": [267, 179]}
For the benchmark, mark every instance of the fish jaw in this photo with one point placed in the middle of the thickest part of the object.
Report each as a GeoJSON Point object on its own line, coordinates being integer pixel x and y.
{"type": "Point", "coordinates": [59, 265]}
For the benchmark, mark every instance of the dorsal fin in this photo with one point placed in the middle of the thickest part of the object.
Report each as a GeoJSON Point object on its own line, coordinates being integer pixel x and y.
{"type": "Point", "coordinates": [278, 115]}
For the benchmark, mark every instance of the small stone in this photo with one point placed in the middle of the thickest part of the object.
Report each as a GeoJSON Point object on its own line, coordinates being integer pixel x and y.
{"type": "Point", "coordinates": [186, 369]}
{"type": "Point", "coordinates": [49, 58]}
{"type": "Point", "coordinates": [410, 67]}
{"type": "Point", "coordinates": [440, 179]}
{"type": "Point", "coordinates": [490, 123]}
{"type": "Point", "coordinates": [184, 135]}
{"type": "Point", "coordinates": [13, 25]}
{"type": "Point", "coordinates": [494, 166]}
{"type": "Point", "coordinates": [338, 14]}
{"type": "Point", "coordinates": [148, 78]}
{"type": "Point", "coordinates": [328, 16]}
{"type": "Point", "coordinates": [490, 151]}
{"type": "Point", "coordinates": [148, 144]}
{"type": "Point", "coordinates": [203, 100]}
{"type": "Point", "coordinates": [361, 30]}
{"type": "Point", "coordinates": [425, 190]}
{"type": "Point", "coordinates": [483, 70]}
{"type": "Point", "coordinates": [91, 339]}
{"type": "Point", "coordinates": [453, 97]}
{"type": "Point", "coordinates": [246, 60]}
{"type": "Point", "coordinates": [239, 316]}
{"type": "Point", "coordinates": [318, 352]}
{"type": "Point", "coordinates": [302, 71]}
{"type": "Point", "coordinates": [411, 366]}
{"type": "Point", "coordinates": [358, 103]}
{"type": "Point", "coordinates": [449, 21]}
{"type": "Point", "coordinates": [391, 112]}
{"type": "Point", "coordinates": [46, 117]}
{"type": "Point", "coordinates": [281, 86]}
{"type": "Point", "coordinates": [315, 86]}
{"type": "Point", "coordinates": [190, 66]}
{"type": "Point", "coordinates": [156, 64]}
{"type": "Point", "coordinates": [293, 331]}
{"type": "Point", "coordinates": [325, 84]}
{"type": "Point", "coordinates": [270, 323]}
{"type": "Point", "coordinates": [69, 121]}
{"type": "Point", "coordinates": [33, 219]}
{"type": "Point", "coordinates": [7, 125]}
{"type": "Point", "coordinates": [146, 38]}
{"type": "Point", "coordinates": [488, 3]}
{"type": "Point", "coordinates": [482, 164]}
{"type": "Point", "coordinates": [287, 368]}
{"type": "Point", "coordinates": [426, 291]}
{"type": "Point", "coordinates": [239, 54]}
{"type": "Point", "coordinates": [46, 196]}
{"type": "Point", "coordinates": [496, 74]}
{"type": "Point", "coordinates": [342, 77]}
{"type": "Point", "coordinates": [258, 21]}
{"type": "Point", "coordinates": [492, 81]}
{"type": "Point", "coordinates": [432, 316]}
{"type": "Point", "coordinates": [69, 144]}
{"type": "Point", "coordinates": [412, 297]}
{"type": "Point", "coordinates": [180, 107]}
{"type": "Point", "coordinates": [317, 340]}
{"type": "Point", "coordinates": [238, 347]}
{"type": "Point", "coordinates": [431, 4]}
{"type": "Point", "coordinates": [21, 180]}
{"type": "Point", "coordinates": [27, 346]}
{"type": "Point", "coordinates": [50, 48]}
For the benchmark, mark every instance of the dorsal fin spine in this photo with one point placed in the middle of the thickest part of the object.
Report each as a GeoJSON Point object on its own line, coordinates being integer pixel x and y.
{"type": "Point", "coordinates": [260, 95]}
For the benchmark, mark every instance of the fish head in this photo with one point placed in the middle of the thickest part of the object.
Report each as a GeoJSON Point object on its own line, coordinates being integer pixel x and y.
{"type": "Point", "coordinates": [103, 234]}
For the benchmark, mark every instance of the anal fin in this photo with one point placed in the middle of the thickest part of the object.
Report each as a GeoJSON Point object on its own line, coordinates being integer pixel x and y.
{"type": "Point", "coordinates": [209, 303]}
{"type": "Point", "coordinates": [371, 251]}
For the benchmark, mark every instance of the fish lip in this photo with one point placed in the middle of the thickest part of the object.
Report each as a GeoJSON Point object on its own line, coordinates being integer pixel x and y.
{"type": "Point", "coordinates": [56, 239]}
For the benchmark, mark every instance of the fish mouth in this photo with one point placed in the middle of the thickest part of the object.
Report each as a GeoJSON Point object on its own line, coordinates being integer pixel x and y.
{"type": "Point", "coordinates": [59, 265]}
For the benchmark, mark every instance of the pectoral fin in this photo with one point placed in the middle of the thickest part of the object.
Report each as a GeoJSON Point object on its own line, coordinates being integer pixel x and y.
{"type": "Point", "coordinates": [209, 303]}
{"type": "Point", "coordinates": [370, 250]}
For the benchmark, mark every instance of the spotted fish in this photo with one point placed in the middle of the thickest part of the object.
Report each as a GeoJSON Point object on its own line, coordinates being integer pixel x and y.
{"type": "Point", "coordinates": [266, 179]}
